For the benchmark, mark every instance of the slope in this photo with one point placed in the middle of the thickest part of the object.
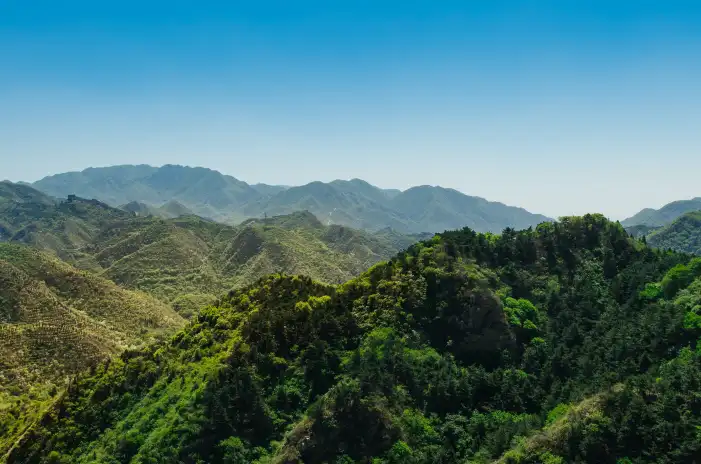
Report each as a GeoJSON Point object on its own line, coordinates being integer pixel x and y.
{"type": "Point", "coordinates": [56, 321]}
{"type": "Point", "coordinates": [64, 227]}
{"type": "Point", "coordinates": [664, 215]}
{"type": "Point", "coordinates": [683, 234]}
{"type": "Point", "coordinates": [452, 351]}
{"type": "Point", "coordinates": [354, 203]}
{"type": "Point", "coordinates": [436, 209]}
{"type": "Point", "coordinates": [187, 261]}
{"type": "Point", "coordinates": [205, 192]}
{"type": "Point", "coordinates": [190, 259]}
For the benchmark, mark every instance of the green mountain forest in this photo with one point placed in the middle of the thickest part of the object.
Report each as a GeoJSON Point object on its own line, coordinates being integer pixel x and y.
{"type": "Point", "coordinates": [353, 203]}
{"type": "Point", "coordinates": [56, 321]}
{"type": "Point", "coordinates": [184, 259]}
{"type": "Point", "coordinates": [665, 215]}
{"type": "Point", "coordinates": [571, 342]}
{"type": "Point", "coordinates": [683, 234]}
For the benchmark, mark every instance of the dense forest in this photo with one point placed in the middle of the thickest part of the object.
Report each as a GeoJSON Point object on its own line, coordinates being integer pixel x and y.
{"type": "Point", "coordinates": [683, 234]}
{"type": "Point", "coordinates": [570, 342]}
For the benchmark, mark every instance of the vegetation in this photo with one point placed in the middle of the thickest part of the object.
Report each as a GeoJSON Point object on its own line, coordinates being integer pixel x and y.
{"type": "Point", "coordinates": [684, 234]}
{"type": "Point", "coordinates": [665, 215]}
{"type": "Point", "coordinates": [572, 342]}
{"type": "Point", "coordinates": [188, 258]}
{"type": "Point", "coordinates": [353, 203]}
{"type": "Point", "coordinates": [56, 321]}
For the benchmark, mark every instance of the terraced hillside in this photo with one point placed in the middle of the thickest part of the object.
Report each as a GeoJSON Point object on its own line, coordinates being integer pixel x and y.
{"type": "Point", "coordinates": [569, 343]}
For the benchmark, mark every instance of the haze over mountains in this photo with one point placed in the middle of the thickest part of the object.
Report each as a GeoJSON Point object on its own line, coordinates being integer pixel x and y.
{"type": "Point", "coordinates": [665, 215]}
{"type": "Point", "coordinates": [353, 203]}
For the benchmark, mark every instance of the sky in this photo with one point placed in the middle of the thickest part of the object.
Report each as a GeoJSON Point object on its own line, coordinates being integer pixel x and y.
{"type": "Point", "coordinates": [559, 106]}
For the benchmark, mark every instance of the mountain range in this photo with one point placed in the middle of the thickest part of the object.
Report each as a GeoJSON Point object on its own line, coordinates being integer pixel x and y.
{"type": "Point", "coordinates": [187, 260]}
{"type": "Point", "coordinates": [80, 281]}
{"type": "Point", "coordinates": [310, 341]}
{"type": "Point", "coordinates": [354, 203]}
{"type": "Point", "coordinates": [570, 343]}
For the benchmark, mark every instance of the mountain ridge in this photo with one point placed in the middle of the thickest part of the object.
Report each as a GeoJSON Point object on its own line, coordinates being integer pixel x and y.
{"type": "Point", "coordinates": [354, 202]}
{"type": "Point", "coordinates": [182, 258]}
{"type": "Point", "coordinates": [665, 215]}
{"type": "Point", "coordinates": [572, 342]}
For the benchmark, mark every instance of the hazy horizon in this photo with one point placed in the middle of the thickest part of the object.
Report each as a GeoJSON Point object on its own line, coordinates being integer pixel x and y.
{"type": "Point", "coordinates": [558, 107]}
{"type": "Point", "coordinates": [554, 216]}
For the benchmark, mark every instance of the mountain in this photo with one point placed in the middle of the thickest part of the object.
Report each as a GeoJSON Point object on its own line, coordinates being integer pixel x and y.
{"type": "Point", "coordinates": [438, 209]}
{"type": "Point", "coordinates": [206, 192]}
{"type": "Point", "coordinates": [641, 230]}
{"type": "Point", "coordinates": [64, 227]}
{"type": "Point", "coordinates": [56, 321]}
{"type": "Point", "coordinates": [187, 260]}
{"type": "Point", "coordinates": [175, 209]}
{"type": "Point", "coordinates": [140, 209]}
{"type": "Point", "coordinates": [201, 259]}
{"type": "Point", "coordinates": [572, 342]}
{"type": "Point", "coordinates": [683, 234]}
{"type": "Point", "coordinates": [360, 205]}
{"type": "Point", "coordinates": [664, 215]}
{"type": "Point", "coordinates": [353, 203]}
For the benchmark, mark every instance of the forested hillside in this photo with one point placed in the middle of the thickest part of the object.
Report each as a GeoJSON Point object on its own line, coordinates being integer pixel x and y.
{"type": "Point", "coordinates": [56, 321]}
{"type": "Point", "coordinates": [572, 342]}
{"type": "Point", "coordinates": [190, 260]}
{"type": "Point", "coordinates": [354, 203]}
{"type": "Point", "coordinates": [187, 260]}
{"type": "Point", "coordinates": [684, 234]}
{"type": "Point", "coordinates": [665, 215]}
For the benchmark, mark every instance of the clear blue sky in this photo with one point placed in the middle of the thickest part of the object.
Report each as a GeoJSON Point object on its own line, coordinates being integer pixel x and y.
{"type": "Point", "coordinates": [562, 106]}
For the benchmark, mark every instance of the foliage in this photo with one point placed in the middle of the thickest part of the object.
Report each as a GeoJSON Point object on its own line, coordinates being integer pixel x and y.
{"type": "Point", "coordinates": [418, 360]}
{"type": "Point", "coordinates": [684, 234]}
{"type": "Point", "coordinates": [56, 321]}
{"type": "Point", "coordinates": [187, 255]}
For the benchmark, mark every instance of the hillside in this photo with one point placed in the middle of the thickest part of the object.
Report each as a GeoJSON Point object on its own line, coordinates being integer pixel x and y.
{"type": "Point", "coordinates": [188, 260]}
{"type": "Point", "coordinates": [56, 321]}
{"type": "Point", "coordinates": [64, 227]}
{"type": "Point", "coordinates": [683, 234]}
{"type": "Point", "coordinates": [569, 343]}
{"type": "Point", "coordinates": [664, 215]}
{"type": "Point", "coordinates": [354, 203]}
{"type": "Point", "coordinates": [192, 260]}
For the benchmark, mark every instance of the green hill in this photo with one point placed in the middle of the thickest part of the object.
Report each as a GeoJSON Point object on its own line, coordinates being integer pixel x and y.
{"type": "Point", "coordinates": [193, 259]}
{"type": "Point", "coordinates": [664, 215]}
{"type": "Point", "coordinates": [189, 260]}
{"type": "Point", "coordinates": [354, 203]}
{"type": "Point", "coordinates": [572, 342]}
{"type": "Point", "coordinates": [56, 321]}
{"type": "Point", "coordinates": [683, 234]}
{"type": "Point", "coordinates": [64, 227]}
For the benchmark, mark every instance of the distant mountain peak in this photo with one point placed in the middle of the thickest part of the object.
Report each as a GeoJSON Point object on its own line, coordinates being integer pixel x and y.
{"type": "Point", "coordinates": [354, 203]}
